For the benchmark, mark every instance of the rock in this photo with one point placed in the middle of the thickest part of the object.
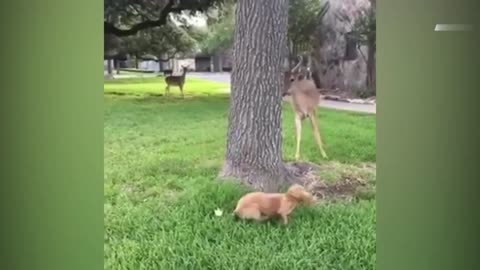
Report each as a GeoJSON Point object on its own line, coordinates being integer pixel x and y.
{"type": "Point", "coordinates": [335, 98]}
{"type": "Point", "coordinates": [335, 72]}
{"type": "Point", "coordinates": [371, 100]}
{"type": "Point", "coordinates": [357, 101]}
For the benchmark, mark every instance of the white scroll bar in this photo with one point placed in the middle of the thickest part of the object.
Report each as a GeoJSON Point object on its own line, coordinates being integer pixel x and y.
{"type": "Point", "coordinates": [453, 27]}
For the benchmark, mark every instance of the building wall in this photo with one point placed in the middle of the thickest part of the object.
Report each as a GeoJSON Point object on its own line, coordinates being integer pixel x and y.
{"type": "Point", "coordinates": [148, 65]}
{"type": "Point", "coordinates": [202, 64]}
{"type": "Point", "coordinates": [335, 71]}
{"type": "Point", "coordinates": [174, 64]}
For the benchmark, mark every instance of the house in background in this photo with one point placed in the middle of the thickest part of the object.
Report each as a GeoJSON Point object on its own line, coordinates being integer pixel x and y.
{"type": "Point", "coordinates": [203, 63]}
{"type": "Point", "coordinates": [219, 62]}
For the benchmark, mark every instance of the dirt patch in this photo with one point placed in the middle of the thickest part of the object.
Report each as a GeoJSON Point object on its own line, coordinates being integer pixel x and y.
{"type": "Point", "coordinates": [334, 181]}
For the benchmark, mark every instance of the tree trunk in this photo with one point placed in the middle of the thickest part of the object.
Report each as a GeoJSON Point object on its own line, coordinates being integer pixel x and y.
{"type": "Point", "coordinates": [109, 66]}
{"type": "Point", "coordinates": [371, 69]}
{"type": "Point", "coordinates": [316, 55]}
{"type": "Point", "coordinates": [220, 62]}
{"type": "Point", "coordinates": [136, 61]}
{"type": "Point", "coordinates": [316, 70]}
{"type": "Point", "coordinates": [371, 62]}
{"type": "Point", "coordinates": [160, 64]}
{"type": "Point", "coordinates": [117, 65]}
{"type": "Point", "coordinates": [254, 141]}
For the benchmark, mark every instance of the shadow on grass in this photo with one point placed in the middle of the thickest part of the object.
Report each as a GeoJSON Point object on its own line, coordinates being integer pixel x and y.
{"type": "Point", "coordinates": [162, 98]}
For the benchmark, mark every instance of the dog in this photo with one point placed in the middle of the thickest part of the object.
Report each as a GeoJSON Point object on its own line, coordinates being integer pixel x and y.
{"type": "Point", "coordinates": [261, 206]}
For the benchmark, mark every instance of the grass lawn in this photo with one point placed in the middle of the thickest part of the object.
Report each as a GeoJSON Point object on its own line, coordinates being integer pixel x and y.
{"type": "Point", "coordinates": [149, 86]}
{"type": "Point", "coordinates": [161, 159]}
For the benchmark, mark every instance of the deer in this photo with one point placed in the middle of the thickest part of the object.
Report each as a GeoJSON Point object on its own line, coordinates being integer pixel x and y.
{"type": "Point", "coordinates": [305, 98]}
{"type": "Point", "coordinates": [176, 81]}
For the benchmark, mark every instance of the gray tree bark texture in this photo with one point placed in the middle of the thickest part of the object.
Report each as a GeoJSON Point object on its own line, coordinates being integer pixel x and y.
{"type": "Point", "coordinates": [109, 66]}
{"type": "Point", "coordinates": [254, 142]}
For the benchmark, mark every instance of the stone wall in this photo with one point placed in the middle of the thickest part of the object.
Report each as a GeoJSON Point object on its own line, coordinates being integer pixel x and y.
{"type": "Point", "coordinates": [335, 72]}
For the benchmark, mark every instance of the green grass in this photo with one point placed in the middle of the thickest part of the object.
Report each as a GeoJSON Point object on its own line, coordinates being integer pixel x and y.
{"type": "Point", "coordinates": [162, 156]}
{"type": "Point", "coordinates": [156, 86]}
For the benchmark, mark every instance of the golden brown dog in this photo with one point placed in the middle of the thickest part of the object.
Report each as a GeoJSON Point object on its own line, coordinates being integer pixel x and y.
{"type": "Point", "coordinates": [261, 206]}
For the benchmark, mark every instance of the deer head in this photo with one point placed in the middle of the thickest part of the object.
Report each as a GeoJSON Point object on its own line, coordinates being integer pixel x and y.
{"type": "Point", "coordinates": [291, 76]}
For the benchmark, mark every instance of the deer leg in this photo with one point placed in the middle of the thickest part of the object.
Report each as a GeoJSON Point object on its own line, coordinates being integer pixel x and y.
{"type": "Point", "coordinates": [316, 132]}
{"type": "Point", "coordinates": [298, 130]}
{"type": "Point", "coordinates": [181, 90]}
{"type": "Point", "coordinates": [167, 90]}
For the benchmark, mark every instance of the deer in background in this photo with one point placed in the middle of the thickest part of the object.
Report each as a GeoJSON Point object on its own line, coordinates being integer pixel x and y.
{"type": "Point", "coordinates": [305, 98]}
{"type": "Point", "coordinates": [176, 81]}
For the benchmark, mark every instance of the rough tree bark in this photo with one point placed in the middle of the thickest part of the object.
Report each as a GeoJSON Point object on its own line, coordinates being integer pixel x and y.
{"type": "Point", "coordinates": [160, 62]}
{"type": "Point", "coordinates": [117, 65]}
{"type": "Point", "coordinates": [109, 66]}
{"type": "Point", "coordinates": [371, 62]}
{"type": "Point", "coordinates": [136, 61]}
{"type": "Point", "coordinates": [254, 142]}
{"type": "Point", "coordinates": [316, 68]}
{"type": "Point", "coordinates": [371, 69]}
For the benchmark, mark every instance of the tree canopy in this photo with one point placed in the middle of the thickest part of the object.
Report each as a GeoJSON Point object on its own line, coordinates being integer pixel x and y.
{"type": "Point", "coordinates": [170, 40]}
{"type": "Point", "coordinates": [158, 43]}
{"type": "Point", "coordinates": [220, 31]}
{"type": "Point", "coordinates": [127, 17]}
{"type": "Point", "coordinates": [364, 30]}
{"type": "Point", "coordinates": [151, 20]}
{"type": "Point", "coordinates": [304, 18]}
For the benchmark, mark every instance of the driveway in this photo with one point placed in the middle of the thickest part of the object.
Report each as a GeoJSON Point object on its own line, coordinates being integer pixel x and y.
{"type": "Point", "coordinates": [225, 78]}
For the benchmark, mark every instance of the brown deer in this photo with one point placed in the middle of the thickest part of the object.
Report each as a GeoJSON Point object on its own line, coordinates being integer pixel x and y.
{"type": "Point", "coordinates": [305, 98]}
{"type": "Point", "coordinates": [176, 81]}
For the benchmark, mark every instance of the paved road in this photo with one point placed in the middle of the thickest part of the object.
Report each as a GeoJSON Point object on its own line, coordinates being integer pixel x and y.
{"type": "Point", "coordinates": [124, 75]}
{"type": "Point", "coordinates": [225, 77]}
{"type": "Point", "coordinates": [213, 76]}
{"type": "Point", "coordinates": [366, 108]}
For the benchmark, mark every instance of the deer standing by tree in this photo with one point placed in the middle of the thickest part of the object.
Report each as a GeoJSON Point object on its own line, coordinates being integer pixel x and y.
{"type": "Point", "coordinates": [176, 81]}
{"type": "Point", "coordinates": [305, 99]}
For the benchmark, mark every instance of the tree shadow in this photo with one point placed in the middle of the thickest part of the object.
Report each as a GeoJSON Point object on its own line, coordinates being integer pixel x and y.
{"type": "Point", "coordinates": [162, 98]}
